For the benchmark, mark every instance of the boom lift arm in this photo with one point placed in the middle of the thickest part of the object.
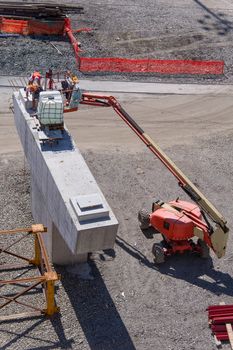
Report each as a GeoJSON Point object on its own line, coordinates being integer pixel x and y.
{"type": "Point", "coordinates": [216, 237]}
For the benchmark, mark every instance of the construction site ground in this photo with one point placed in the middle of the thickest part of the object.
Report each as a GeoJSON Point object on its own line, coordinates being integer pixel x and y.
{"type": "Point", "coordinates": [196, 30]}
{"type": "Point", "coordinates": [130, 303]}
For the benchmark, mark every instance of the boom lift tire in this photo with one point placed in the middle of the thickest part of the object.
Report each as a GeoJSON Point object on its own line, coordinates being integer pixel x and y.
{"type": "Point", "coordinates": [158, 252]}
{"type": "Point", "coordinates": [205, 250]}
{"type": "Point", "coordinates": [144, 219]}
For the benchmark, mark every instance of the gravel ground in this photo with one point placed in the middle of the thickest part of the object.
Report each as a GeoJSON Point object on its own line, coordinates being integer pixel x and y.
{"type": "Point", "coordinates": [183, 30]}
{"type": "Point", "coordinates": [141, 307]}
{"type": "Point", "coordinates": [130, 303]}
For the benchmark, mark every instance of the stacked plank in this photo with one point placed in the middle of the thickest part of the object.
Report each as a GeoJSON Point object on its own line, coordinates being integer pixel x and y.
{"type": "Point", "coordinates": [37, 10]}
{"type": "Point", "coordinates": [221, 321]}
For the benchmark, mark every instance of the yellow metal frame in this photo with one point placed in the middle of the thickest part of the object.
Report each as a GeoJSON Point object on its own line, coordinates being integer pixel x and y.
{"type": "Point", "coordinates": [47, 276]}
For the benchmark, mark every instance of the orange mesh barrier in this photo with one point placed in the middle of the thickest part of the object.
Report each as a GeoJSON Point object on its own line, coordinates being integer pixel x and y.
{"type": "Point", "coordinates": [126, 65]}
{"type": "Point", "coordinates": [110, 64]}
{"type": "Point", "coordinates": [73, 40]}
{"type": "Point", "coordinates": [150, 66]}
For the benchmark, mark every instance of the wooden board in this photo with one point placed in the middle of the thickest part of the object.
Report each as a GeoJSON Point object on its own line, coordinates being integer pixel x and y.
{"type": "Point", "coordinates": [38, 10]}
{"type": "Point", "coordinates": [230, 334]}
{"type": "Point", "coordinates": [52, 135]}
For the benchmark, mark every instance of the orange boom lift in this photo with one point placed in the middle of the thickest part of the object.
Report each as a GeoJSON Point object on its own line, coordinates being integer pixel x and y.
{"type": "Point", "coordinates": [178, 221]}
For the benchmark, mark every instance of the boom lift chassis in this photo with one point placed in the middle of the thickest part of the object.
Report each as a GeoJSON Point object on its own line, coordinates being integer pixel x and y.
{"type": "Point", "coordinates": [178, 221]}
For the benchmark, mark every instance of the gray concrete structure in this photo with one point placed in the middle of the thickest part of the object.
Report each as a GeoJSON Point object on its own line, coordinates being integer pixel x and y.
{"type": "Point", "coordinates": [64, 194]}
{"type": "Point", "coordinates": [138, 87]}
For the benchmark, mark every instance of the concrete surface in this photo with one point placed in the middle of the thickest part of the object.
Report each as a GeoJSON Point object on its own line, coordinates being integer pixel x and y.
{"type": "Point", "coordinates": [137, 87]}
{"type": "Point", "coordinates": [130, 304]}
{"type": "Point", "coordinates": [167, 305]}
{"type": "Point", "coordinates": [155, 88]}
{"type": "Point", "coordinates": [193, 115]}
{"type": "Point", "coordinates": [59, 174]}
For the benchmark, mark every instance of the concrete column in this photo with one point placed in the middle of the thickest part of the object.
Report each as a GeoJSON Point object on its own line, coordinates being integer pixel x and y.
{"type": "Point", "coordinates": [58, 251]}
{"type": "Point", "coordinates": [64, 194]}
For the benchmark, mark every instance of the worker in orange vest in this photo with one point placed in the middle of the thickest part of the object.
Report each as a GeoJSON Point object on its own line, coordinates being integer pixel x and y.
{"type": "Point", "coordinates": [35, 78]}
{"type": "Point", "coordinates": [34, 89]}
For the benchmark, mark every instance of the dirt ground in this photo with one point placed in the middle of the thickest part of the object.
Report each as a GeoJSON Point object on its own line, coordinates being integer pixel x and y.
{"type": "Point", "coordinates": [131, 303]}
{"type": "Point", "coordinates": [195, 29]}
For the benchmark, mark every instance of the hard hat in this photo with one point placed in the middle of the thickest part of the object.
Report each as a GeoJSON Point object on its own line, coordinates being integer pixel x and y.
{"type": "Point", "coordinates": [37, 73]}
{"type": "Point", "coordinates": [75, 79]}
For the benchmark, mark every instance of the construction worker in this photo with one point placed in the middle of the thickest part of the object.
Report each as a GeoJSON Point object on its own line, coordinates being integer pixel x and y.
{"type": "Point", "coordinates": [74, 80]}
{"type": "Point", "coordinates": [76, 95]}
{"type": "Point", "coordinates": [34, 89]}
{"type": "Point", "coordinates": [68, 84]}
{"type": "Point", "coordinates": [71, 78]}
{"type": "Point", "coordinates": [35, 78]}
{"type": "Point", "coordinates": [66, 87]}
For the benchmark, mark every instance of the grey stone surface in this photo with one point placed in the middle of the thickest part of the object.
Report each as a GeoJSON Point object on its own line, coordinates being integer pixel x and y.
{"type": "Point", "coordinates": [167, 305]}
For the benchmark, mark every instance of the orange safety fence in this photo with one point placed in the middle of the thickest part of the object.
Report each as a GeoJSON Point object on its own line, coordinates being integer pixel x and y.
{"type": "Point", "coordinates": [150, 66]}
{"type": "Point", "coordinates": [68, 30]}
{"type": "Point", "coordinates": [127, 65]}
{"type": "Point", "coordinates": [110, 64]}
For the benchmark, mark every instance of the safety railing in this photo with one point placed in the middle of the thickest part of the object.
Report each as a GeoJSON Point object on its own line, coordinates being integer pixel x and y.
{"type": "Point", "coordinates": [45, 276]}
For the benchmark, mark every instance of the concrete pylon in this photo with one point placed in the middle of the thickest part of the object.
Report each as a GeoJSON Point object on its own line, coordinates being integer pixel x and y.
{"type": "Point", "coordinates": [64, 194]}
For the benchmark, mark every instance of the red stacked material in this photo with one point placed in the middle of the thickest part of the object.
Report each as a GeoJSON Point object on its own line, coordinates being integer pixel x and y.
{"type": "Point", "coordinates": [45, 27]}
{"type": "Point", "coordinates": [219, 316]}
{"type": "Point", "coordinates": [13, 25]}
{"type": "Point", "coordinates": [32, 26]}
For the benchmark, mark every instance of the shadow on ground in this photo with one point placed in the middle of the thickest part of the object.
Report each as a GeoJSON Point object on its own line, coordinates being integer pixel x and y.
{"type": "Point", "coordinates": [134, 252]}
{"type": "Point", "coordinates": [214, 21]}
{"type": "Point", "coordinates": [27, 335]}
{"type": "Point", "coordinates": [96, 312]}
{"type": "Point", "coordinates": [199, 272]}
{"type": "Point", "coordinates": [188, 267]}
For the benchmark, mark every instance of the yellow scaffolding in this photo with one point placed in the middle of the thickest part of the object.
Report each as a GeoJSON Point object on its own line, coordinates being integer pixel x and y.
{"type": "Point", "coordinates": [46, 278]}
